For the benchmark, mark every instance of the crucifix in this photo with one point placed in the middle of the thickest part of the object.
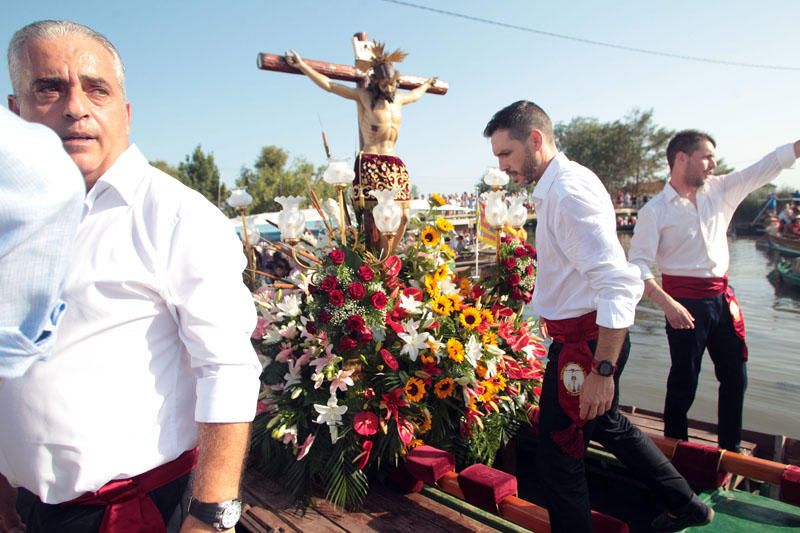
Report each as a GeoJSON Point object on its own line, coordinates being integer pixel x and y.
{"type": "Point", "coordinates": [379, 116]}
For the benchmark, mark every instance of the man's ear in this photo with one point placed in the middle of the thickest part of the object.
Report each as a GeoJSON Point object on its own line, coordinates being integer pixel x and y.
{"type": "Point", "coordinates": [12, 104]}
{"type": "Point", "coordinates": [536, 139]}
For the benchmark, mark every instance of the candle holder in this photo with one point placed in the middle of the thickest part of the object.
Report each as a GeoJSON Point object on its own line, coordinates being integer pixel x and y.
{"type": "Point", "coordinates": [239, 199]}
{"type": "Point", "coordinates": [340, 175]}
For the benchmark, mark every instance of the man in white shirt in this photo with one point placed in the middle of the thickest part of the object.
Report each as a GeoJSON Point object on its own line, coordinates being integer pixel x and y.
{"type": "Point", "coordinates": [683, 230]}
{"type": "Point", "coordinates": [154, 358]}
{"type": "Point", "coordinates": [586, 295]}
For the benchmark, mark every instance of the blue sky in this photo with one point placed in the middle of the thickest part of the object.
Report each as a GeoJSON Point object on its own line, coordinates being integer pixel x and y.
{"type": "Point", "coordinates": [192, 76]}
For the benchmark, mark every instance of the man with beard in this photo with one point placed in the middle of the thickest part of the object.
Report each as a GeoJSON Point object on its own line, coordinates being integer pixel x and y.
{"type": "Point", "coordinates": [683, 230]}
{"type": "Point", "coordinates": [379, 117]}
{"type": "Point", "coordinates": [586, 295]}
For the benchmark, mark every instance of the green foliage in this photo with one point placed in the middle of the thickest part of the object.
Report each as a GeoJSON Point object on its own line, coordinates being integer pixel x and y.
{"type": "Point", "coordinates": [199, 172]}
{"type": "Point", "coordinates": [625, 151]}
{"type": "Point", "coordinates": [272, 176]}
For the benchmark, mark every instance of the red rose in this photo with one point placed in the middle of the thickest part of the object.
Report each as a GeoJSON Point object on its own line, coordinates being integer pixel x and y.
{"type": "Point", "coordinates": [336, 256]}
{"type": "Point", "coordinates": [365, 273]}
{"type": "Point", "coordinates": [378, 300]}
{"type": "Point", "coordinates": [364, 336]}
{"type": "Point", "coordinates": [516, 294]}
{"type": "Point", "coordinates": [531, 249]}
{"type": "Point", "coordinates": [519, 251]}
{"type": "Point", "coordinates": [529, 270]}
{"type": "Point", "coordinates": [355, 323]}
{"type": "Point", "coordinates": [513, 279]}
{"type": "Point", "coordinates": [329, 283]}
{"type": "Point", "coordinates": [389, 359]}
{"type": "Point", "coordinates": [346, 343]}
{"type": "Point", "coordinates": [356, 290]}
{"type": "Point", "coordinates": [510, 263]}
{"type": "Point", "coordinates": [337, 298]}
{"type": "Point", "coordinates": [311, 328]}
{"type": "Point", "coordinates": [324, 317]}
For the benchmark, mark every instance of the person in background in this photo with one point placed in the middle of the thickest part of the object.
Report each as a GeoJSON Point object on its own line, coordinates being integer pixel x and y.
{"type": "Point", "coordinates": [683, 230]}
{"type": "Point", "coordinates": [156, 362]}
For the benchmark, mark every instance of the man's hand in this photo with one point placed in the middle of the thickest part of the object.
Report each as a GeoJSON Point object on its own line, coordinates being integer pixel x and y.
{"type": "Point", "coordinates": [677, 315]}
{"type": "Point", "coordinates": [292, 58]}
{"type": "Point", "coordinates": [10, 521]}
{"type": "Point", "coordinates": [597, 395]}
{"type": "Point", "coordinates": [432, 81]}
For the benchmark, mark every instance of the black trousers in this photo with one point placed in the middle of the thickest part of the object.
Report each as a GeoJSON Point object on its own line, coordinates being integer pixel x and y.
{"type": "Point", "coordinates": [171, 500]}
{"type": "Point", "coordinates": [564, 477]}
{"type": "Point", "coordinates": [713, 329]}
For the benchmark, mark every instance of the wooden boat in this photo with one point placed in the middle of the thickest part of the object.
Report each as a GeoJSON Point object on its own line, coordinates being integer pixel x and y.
{"type": "Point", "coordinates": [788, 246]}
{"type": "Point", "coordinates": [783, 274]}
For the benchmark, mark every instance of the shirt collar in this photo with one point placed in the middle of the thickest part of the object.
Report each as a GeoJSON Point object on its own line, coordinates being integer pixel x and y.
{"type": "Point", "coordinates": [122, 176]}
{"type": "Point", "coordinates": [550, 173]}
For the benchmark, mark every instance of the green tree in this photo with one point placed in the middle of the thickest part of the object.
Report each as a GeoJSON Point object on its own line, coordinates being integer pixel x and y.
{"type": "Point", "coordinates": [165, 167]}
{"type": "Point", "coordinates": [199, 171]}
{"type": "Point", "coordinates": [272, 176]}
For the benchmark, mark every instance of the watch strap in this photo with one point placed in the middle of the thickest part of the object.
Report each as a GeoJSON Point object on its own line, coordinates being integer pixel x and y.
{"type": "Point", "coordinates": [212, 513]}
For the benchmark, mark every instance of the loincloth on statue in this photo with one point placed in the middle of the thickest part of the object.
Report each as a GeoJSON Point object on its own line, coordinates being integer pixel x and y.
{"type": "Point", "coordinates": [376, 172]}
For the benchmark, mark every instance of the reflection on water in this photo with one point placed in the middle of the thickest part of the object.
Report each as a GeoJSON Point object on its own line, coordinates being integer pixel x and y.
{"type": "Point", "coordinates": [772, 317]}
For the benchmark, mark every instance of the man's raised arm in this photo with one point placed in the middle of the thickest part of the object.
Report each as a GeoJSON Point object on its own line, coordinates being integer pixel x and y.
{"type": "Point", "coordinates": [322, 81]}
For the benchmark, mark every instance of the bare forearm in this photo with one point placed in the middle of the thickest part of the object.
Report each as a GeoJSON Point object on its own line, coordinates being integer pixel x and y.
{"type": "Point", "coordinates": [609, 343]}
{"type": "Point", "coordinates": [223, 448]}
{"type": "Point", "coordinates": [655, 293]}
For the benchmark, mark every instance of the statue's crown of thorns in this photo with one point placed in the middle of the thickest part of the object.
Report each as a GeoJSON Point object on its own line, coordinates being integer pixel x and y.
{"type": "Point", "coordinates": [383, 62]}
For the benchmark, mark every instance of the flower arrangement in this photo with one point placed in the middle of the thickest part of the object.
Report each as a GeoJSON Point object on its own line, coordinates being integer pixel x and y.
{"type": "Point", "coordinates": [367, 359]}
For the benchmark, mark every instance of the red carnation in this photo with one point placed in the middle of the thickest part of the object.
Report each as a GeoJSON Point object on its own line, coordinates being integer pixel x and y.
{"type": "Point", "coordinates": [356, 290]}
{"type": "Point", "coordinates": [336, 256]}
{"type": "Point", "coordinates": [519, 251]}
{"type": "Point", "coordinates": [329, 283]}
{"type": "Point", "coordinates": [510, 263]}
{"type": "Point", "coordinates": [337, 298]}
{"type": "Point", "coordinates": [529, 270]}
{"type": "Point", "coordinates": [364, 336]}
{"type": "Point", "coordinates": [378, 300]}
{"type": "Point", "coordinates": [513, 279]}
{"type": "Point", "coordinates": [355, 323]}
{"type": "Point", "coordinates": [365, 273]}
{"type": "Point", "coordinates": [346, 343]}
{"type": "Point", "coordinates": [389, 359]}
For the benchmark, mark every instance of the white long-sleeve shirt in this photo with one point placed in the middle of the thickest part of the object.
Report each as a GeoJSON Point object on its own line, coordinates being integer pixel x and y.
{"type": "Point", "coordinates": [41, 193]}
{"type": "Point", "coordinates": [157, 339]}
{"type": "Point", "coordinates": [685, 240]}
{"type": "Point", "coordinates": [581, 265]}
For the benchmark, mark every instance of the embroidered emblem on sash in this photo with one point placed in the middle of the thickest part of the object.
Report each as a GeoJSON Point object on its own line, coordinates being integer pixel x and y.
{"type": "Point", "coordinates": [572, 376]}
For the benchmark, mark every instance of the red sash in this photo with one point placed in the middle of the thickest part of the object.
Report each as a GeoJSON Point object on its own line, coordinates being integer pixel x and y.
{"type": "Point", "coordinates": [574, 364]}
{"type": "Point", "coordinates": [697, 288]}
{"type": "Point", "coordinates": [129, 509]}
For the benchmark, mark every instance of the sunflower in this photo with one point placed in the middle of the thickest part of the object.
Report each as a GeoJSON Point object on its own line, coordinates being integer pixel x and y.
{"type": "Point", "coordinates": [429, 236]}
{"type": "Point", "coordinates": [442, 305]}
{"type": "Point", "coordinates": [444, 388]}
{"type": "Point", "coordinates": [455, 350]}
{"type": "Point", "coordinates": [500, 382]}
{"type": "Point", "coordinates": [464, 285]}
{"type": "Point", "coordinates": [427, 359]}
{"type": "Point", "coordinates": [470, 318]}
{"type": "Point", "coordinates": [455, 301]}
{"type": "Point", "coordinates": [444, 225]}
{"type": "Point", "coordinates": [480, 370]}
{"type": "Point", "coordinates": [436, 197]}
{"type": "Point", "coordinates": [415, 389]}
{"type": "Point", "coordinates": [487, 316]}
{"type": "Point", "coordinates": [431, 286]}
{"type": "Point", "coordinates": [448, 251]}
{"type": "Point", "coordinates": [489, 339]}
{"type": "Point", "coordinates": [415, 443]}
{"type": "Point", "coordinates": [426, 425]}
{"type": "Point", "coordinates": [441, 273]}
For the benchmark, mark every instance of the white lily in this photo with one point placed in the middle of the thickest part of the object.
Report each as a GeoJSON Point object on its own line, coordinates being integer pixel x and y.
{"type": "Point", "coordinates": [288, 331]}
{"type": "Point", "coordinates": [289, 306]}
{"type": "Point", "coordinates": [271, 336]}
{"type": "Point", "coordinates": [413, 339]}
{"type": "Point", "coordinates": [410, 305]}
{"type": "Point", "coordinates": [473, 350]}
{"type": "Point", "coordinates": [293, 377]}
{"type": "Point", "coordinates": [341, 381]}
{"type": "Point", "coordinates": [331, 414]}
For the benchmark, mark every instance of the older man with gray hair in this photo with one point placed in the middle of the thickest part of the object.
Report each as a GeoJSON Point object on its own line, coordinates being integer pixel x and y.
{"type": "Point", "coordinates": [154, 362]}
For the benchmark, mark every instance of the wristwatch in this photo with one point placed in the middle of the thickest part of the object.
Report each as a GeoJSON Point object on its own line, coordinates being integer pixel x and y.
{"type": "Point", "coordinates": [220, 516]}
{"type": "Point", "coordinates": [603, 367]}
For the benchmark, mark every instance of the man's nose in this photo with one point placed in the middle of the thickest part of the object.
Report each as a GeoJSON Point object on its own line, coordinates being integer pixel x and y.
{"type": "Point", "coordinates": [76, 106]}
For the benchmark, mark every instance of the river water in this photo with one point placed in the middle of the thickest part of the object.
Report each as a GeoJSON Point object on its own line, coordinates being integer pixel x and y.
{"type": "Point", "coordinates": [772, 319]}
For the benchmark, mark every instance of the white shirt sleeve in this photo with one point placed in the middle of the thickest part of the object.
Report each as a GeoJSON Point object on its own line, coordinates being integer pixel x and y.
{"type": "Point", "coordinates": [215, 312]}
{"type": "Point", "coordinates": [589, 240]}
{"type": "Point", "coordinates": [737, 185]}
{"type": "Point", "coordinates": [644, 244]}
{"type": "Point", "coordinates": [41, 195]}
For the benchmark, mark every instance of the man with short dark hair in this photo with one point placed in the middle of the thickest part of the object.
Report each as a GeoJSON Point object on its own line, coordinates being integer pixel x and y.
{"type": "Point", "coordinates": [683, 230]}
{"type": "Point", "coordinates": [586, 295]}
{"type": "Point", "coordinates": [154, 359]}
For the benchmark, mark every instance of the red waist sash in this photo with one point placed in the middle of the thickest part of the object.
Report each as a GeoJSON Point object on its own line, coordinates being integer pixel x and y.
{"type": "Point", "coordinates": [697, 288]}
{"type": "Point", "coordinates": [129, 509]}
{"type": "Point", "coordinates": [574, 364]}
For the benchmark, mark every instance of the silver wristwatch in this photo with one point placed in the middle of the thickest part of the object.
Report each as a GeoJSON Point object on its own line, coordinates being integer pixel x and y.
{"type": "Point", "coordinates": [221, 516]}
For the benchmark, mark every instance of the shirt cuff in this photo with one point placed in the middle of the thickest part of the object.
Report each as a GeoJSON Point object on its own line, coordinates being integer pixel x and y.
{"type": "Point", "coordinates": [786, 156]}
{"type": "Point", "coordinates": [614, 314]}
{"type": "Point", "coordinates": [228, 396]}
{"type": "Point", "coordinates": [644, 271]}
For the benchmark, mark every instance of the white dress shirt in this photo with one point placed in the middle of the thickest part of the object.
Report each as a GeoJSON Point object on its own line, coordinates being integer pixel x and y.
{"type": "Point", "coordinates": [41, 193]}
{"type": "Point", "coordinates": [685, 240]}
{"type": "Point", "coordinates": [581, 265]}
{"type": "Point", "coordinates": [157, 339]}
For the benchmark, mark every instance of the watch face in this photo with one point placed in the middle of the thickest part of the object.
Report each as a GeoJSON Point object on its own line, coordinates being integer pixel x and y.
{"type": "Point", "coordinates": [231, 514]}
{"type": "Point", "coordinates": [605, 368]}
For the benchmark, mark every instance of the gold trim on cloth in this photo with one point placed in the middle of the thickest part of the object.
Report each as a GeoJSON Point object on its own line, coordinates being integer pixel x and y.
{"type": "Point", "coordinates": [376, 172]}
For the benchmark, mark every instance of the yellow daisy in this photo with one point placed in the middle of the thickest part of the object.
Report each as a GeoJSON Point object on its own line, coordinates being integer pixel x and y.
{"type": "Point", "coordinates": [436, 197]}
{"type": "Point", "coordinates": [470, 318]}
{"type": "Point", "coordinates": [444, 225]}
{"type": "Point", "coordinates": [455, 350]}
{"type": "Point", "coordinates": [429, 236]}
{"type": "Point", "coordinates": [444, 388]}
{"type": "Point", "coordinates": [415, 389]}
